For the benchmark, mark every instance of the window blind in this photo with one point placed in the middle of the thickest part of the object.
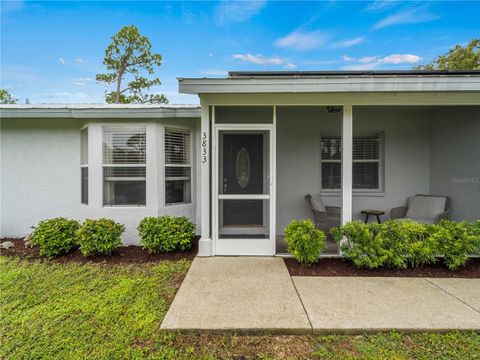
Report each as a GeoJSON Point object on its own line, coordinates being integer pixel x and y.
{"type": "Point", "coordinates": [177, 147]}
{"type": "Point", "coordinates": [124, 145]}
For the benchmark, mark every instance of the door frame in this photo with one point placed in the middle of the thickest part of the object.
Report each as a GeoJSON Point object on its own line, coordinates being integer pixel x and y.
{"type": "Point", "coordinates": [246, 246]}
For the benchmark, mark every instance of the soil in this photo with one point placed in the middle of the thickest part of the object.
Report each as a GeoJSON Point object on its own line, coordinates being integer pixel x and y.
{"type": "Point", "coordinates": [122, 255]}
{"type": "Point", "coordinates": [342, 267]}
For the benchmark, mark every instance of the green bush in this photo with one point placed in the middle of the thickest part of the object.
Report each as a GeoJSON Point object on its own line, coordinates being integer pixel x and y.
{"type": "Point", "coordinates": [102, 236]}
{"type": "Point", "coordinates": [166, 233]}
{"type": "Point", "coordinates": [55, 236]}
{"type": "Point", "coordinates": [400, 244]}
{"type": "Point", "coordinates": [457, 241]}
{"type": "Point", "coordinates": [304, 241]}
{"type": "Point", "coordinates": [361, 246]}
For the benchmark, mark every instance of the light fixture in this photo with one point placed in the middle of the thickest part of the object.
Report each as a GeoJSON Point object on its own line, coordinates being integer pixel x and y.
{"type": "Point", "coordinates": [333, 109]}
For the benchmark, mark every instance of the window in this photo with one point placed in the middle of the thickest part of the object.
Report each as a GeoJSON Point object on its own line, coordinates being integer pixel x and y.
{"type": "Point", "coordinates": [124, 166]}
{"type": "Point", "coordinates": [177, 166]}
{"type": "Point", "coordinates": [366, 162]}
{"type": "Point", "coordinates": [84, 166]}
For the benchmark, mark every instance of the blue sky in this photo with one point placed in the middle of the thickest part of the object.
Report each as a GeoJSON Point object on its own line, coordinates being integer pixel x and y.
{"type": "Point", "coordinates": [51, 50]}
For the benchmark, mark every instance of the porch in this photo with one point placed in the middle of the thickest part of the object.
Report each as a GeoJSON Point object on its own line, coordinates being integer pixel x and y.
{"type": "Point", "coordinates": [265, 159]}
{"type": "Point", "coordinates": [361, 140]}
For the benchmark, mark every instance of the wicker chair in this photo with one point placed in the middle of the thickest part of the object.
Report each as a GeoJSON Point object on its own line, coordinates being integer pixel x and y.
{"type": "Point", "coordinates": [324, 220]}
{"type": "Point", "coordinates": [401, 212]}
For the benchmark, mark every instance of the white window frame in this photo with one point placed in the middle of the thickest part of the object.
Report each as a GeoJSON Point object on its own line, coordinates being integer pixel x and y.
{"type": "Point", "coordinates": [380, 161]}
{"type": "Point", "coordinates": [166, 165]}
{"type": "Point", "coordinates": [120, 126]}
{"type": "Point", "coordinates": [84, 166]}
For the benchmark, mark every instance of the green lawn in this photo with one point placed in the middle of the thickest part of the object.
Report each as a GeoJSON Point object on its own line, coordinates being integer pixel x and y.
{"type": "Point", "coordinates": [58, 311]}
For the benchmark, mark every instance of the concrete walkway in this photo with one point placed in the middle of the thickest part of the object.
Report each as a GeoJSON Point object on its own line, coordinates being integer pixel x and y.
{"type": "Point", "coordinates": [257, 295]}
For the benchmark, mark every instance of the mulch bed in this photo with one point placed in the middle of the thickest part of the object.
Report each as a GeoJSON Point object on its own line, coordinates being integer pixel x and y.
{"type": "Point", "coordinates": [342, 267]}
{"type": "Point", "coordinates": [122, 255]}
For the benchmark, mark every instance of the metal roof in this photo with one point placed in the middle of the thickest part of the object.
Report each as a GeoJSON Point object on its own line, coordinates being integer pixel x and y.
{"type": "Point", "coordinates": [379, 73]}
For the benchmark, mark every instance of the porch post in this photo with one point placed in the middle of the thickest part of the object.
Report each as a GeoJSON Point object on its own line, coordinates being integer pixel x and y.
{"type": "Point", "coordinates": [205, 247]}
{"type": "Point", "coordinates": [347, 163]}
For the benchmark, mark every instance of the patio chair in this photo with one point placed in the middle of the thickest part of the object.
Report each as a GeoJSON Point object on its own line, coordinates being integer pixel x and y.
{"type": "Point", "coordinates": [425, 209]}
{"type": "Point", "coordinates": [324, 217]}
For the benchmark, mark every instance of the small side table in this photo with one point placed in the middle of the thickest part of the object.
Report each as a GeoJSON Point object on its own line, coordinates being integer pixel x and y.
{"type": "Point", "coordinates": [377, 213]}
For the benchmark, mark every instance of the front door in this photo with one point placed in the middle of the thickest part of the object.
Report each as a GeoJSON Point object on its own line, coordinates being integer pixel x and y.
{"type": "Point", "coordinates": [243, 193]}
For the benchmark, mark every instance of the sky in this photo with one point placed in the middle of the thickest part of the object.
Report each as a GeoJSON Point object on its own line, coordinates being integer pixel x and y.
{"type": "Point", "coordinates": [51, 50]}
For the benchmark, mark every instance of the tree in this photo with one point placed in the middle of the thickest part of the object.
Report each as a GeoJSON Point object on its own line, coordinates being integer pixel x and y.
{"type": "Point", "coordinates": [128, 54]}
{"type": "Point", "coordinates": [6, 98]}
{"type": "Point", "coordinates": [458, 58]}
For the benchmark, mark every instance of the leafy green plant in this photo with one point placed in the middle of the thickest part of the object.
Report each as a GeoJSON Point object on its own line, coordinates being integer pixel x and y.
{"type": "Point", "coordinates": [102, 236]}
{"type": "Point", "coordinates": [305, 242]}
{"type": "Point", "coordinates": [457, 241]}
{"type": "Point", "coordinates": [55, 236]}
{"type": "Point", "coordinates": [166, 233]}
{"type": "Point", "coordinates": [407, 243]}
{"type": "Point", "coordinates": [360, 245]}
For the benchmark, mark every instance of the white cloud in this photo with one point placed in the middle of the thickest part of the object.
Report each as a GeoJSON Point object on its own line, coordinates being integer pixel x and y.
{"type": "Point", "coordinates": [79, 60]}
{"type": "Point", "coordinates": [374, 62]}
{"type": "Point", "coordinates": [64, 97]}
{"type": "Point", "coordinates": [264, 60]}
{"type": "Point", "coordinates": [237, 11]}
{"type": "Point", "coordinates": [210, 55]}
{"type": "Point", "coordinates": [400, 59]}
{"type": "Point", "coordinates": [380, 5]}
{"type": "Point", "coordinates": [302, 40]}
{"type": "Point", "coordinates": [348, 42]}
{"type": "Point", "coordinates": [62, 61]}
{"type": "Point", "coordinates": [412, 16]}
{"type": "Point", "coordinates": [82, 81]}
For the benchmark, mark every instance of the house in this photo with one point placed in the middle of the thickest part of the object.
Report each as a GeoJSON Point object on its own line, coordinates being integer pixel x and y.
{"type": "Point", "coordinates": [240, 163]}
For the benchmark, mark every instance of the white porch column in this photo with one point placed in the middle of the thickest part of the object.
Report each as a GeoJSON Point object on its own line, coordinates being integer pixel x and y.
{"type": "Point", "coordinates": [205, 246]}
{"type": "Point", "coordinates": [347, 163]}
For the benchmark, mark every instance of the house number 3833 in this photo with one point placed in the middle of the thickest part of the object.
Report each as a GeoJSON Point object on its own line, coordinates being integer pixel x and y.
{"type": "Point", "coordinates": [204, 147]}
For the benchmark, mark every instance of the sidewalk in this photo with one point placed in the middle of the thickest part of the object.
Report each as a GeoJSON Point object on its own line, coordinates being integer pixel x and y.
{"type": "Point", "coordinates": [257, 295]}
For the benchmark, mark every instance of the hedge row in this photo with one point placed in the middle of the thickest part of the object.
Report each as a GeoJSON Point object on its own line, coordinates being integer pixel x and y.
{"type": "Point", "coordinates": [399, 244]}
{"type": "Point", "coordinates": [101, 236]}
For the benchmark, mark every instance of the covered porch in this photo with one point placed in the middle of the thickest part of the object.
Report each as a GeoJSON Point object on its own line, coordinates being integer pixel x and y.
{"type": "Point", "coordinates": [261, 153]}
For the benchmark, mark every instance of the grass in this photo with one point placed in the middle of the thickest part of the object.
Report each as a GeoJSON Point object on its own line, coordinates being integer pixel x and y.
{"type": "Point", "coordinates": [74, 311]}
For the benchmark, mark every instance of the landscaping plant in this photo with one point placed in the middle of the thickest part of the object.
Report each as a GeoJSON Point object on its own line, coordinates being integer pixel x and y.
{"type": "Point", "coordinates": [55, 236]}
{"type": "Point", "coordinates": [457, 241]}
{"type": "Point", "coordinates": [305, 242]}
{"type": "Point", "coordinates": [398, 244]}
{"type": "Point", "coordinates": [99, 237]}
{"type": "Point", "coordinates": [166, 233]}
{"type": "Point", "coordinates": [360, 245]}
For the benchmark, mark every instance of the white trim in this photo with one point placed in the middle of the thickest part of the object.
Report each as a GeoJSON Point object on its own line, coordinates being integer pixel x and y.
{"type": "Point", "coordinates": [330, 84]}
{"type": "Point", "coordinates": [206, 245]}
{"type": "Point", "coordinates": [347, 163]}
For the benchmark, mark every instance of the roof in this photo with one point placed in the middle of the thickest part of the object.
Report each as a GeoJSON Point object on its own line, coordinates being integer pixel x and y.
{"type": "Point", "coordinates": [357, 73]}
{"type": "Point", "coordinates": [335, 81]}
{"type": "Point", "coordinates": [100, 110]}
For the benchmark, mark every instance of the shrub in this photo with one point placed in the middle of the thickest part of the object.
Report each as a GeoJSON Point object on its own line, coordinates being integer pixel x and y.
{"type": "Point", "coordinates": [407, 243]}
{"type": "Point", "coordinates": [55, 236]}
{"type": "Point", "coordinates": [100, 236]}
{"type": "Point", "coordinates": [166, 233]}
{"type": "Point", "coordinates": [304, 241]}
{"type": "Point", "coordinates": [457, 241]}
{"type": "Point", "coordinates": [361, 245]}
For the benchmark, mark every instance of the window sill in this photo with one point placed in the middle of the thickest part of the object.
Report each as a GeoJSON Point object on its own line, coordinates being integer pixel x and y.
{"type": "Point", "coordinates": [177, 205]}
{"type": "Point", "coordinates": [355, 193]}
{"type": "Point", "coordinates": [124, 206]}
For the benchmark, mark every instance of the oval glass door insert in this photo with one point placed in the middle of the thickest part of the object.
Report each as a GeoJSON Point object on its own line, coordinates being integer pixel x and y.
{"type": "Point", "coordinates": [242, 168]}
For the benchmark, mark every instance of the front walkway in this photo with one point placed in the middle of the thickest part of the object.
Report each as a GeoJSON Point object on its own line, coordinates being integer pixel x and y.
{"type": "Point", "coordinates": [257, 295]}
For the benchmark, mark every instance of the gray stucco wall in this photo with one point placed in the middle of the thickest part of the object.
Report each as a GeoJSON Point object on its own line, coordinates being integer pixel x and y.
{"type": "Point", "coordinates": [455, 159]}
{"type": "Point", "coordinates": [40, 175]}
{"type": "Point", "coordinates": [406, 134]}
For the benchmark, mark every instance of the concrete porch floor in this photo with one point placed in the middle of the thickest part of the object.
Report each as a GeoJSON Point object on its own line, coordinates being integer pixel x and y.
{"type": "Point", "coordinates": [257, 295]}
